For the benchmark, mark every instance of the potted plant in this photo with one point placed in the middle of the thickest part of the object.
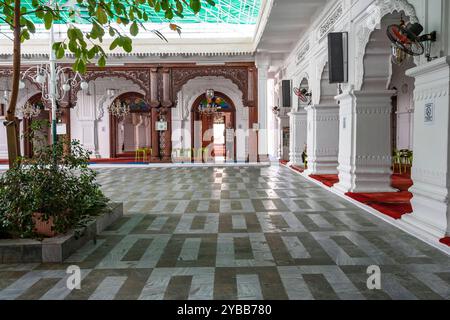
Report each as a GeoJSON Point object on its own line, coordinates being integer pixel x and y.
{"type": "Point", "coordinates": [50, 193]}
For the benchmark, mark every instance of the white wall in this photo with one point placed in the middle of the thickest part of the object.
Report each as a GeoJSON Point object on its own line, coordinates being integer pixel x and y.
{"type": "Point", "coordinates": [405, 104]}
{"type": "Point", "coordinates": [90, 117]}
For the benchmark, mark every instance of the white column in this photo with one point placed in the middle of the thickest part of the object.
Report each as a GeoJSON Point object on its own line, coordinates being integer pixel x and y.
{"type": "Point", "coordinates": [298, 136]}
{"type": "Point", "coordinates": [365, 141]}
{"type": "Point", "coordinates": [431, 163]}
{"type": "Point", "coordinates": [283, 121]}
{"type": "Point", "coordinates": [322, 138]}
{"type": "Point", "coordinates": [3, 144]}
{"type": "Point", "coordinates": [137, 122]}
{"type": "Point", "coordinates": [262, 64]}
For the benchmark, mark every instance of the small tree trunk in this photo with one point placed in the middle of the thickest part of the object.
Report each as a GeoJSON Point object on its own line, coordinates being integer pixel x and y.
{"type": "Point", "coordinates": [12, 124]}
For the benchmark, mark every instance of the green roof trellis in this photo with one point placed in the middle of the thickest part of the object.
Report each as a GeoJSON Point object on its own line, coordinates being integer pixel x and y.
{"type": "Point", "coordinates": [239, 12]}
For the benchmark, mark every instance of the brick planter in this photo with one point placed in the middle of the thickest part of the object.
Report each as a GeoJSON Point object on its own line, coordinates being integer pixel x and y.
{"type": "Point", "coordinates": [58, 248]}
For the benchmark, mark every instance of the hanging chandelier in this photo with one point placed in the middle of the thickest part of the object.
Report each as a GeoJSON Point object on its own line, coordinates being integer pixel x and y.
{"type": "Point", "coordinates": [29, 110]}
{"type": "Point", "coordinates": [212, 106]}
{"type": "Point", "coordinates": [119, 109]}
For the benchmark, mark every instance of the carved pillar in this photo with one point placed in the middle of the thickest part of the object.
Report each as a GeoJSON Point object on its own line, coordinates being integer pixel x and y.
{"type": "Point", "coordinates": [137, 123]}
{"type": "Point", "coordinates": [148, 131]}
{"type": "Point", "coordinates": [154, 101]}
{"type": "Point", "coordinates": [263, 151]}
{"type": "Point", "coordinates": [298, 133]}
{"type": "Point", "coordinates": [323, 138]}
{"type": "Point", "coordinates": [431, 164]}
{"type": "Point", "coordinates": [161, 140]}
{"type": "Point", "coordinates": [166, 88]}
{"type": "Point", "coordinates": [365, 141]}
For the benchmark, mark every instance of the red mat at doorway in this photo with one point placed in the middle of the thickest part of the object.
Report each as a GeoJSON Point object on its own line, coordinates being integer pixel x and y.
{"type": "Point", "coordinates": [284, 162]}
{"type": "Point", "coordinates": [4, 161]}
{"type": "Point", "coordinates": [445, 241]}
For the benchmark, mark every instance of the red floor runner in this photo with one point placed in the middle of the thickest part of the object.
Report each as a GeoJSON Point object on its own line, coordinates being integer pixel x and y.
{"type": "Point", "coordinates": [283, 162]}
{"type": "Point", "coordinates": [327, 179]}
{"type": "Point", "coordinates": [297, 168]}
{"type": "Point", "coordinates": [445, 240]}
{"type": "Point", "coordinates": [393, 204]}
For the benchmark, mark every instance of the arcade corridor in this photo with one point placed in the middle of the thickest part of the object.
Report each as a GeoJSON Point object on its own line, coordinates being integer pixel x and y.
{"type": "Point", "coordinates": [236, 233]}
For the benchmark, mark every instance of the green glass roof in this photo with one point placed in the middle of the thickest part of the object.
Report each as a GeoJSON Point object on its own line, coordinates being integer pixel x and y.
{"type": "Point", "coordinates": [243, 12]}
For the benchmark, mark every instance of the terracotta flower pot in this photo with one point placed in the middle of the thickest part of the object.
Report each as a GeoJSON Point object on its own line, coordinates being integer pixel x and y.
{"type": "Point", "coordinates": [43, 228]}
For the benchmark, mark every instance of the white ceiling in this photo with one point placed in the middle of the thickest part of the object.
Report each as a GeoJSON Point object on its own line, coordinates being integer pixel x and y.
{"type": "Point", "coordinates": [286, 23]}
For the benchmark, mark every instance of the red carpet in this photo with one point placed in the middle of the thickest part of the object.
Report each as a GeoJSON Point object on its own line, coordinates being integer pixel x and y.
{"type": "Point", "coordinates": [393, 204]}
{"type": "Point", "coordinates": [3, 161]}
{"type": "Point", "coordinates": [327, 179]}
{"type": "Point", "coordinates": [445, 240]}
{"type": "Point", "coordinates": [297, 168]}
{"type": "Point", "coordinates": [114, 160]}
{"type": "Point", "coordinates": [284, 162]}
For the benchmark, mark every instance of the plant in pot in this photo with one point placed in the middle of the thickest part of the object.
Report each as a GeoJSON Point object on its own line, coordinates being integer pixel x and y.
{"type": "Point", "coordinates": [50, 193]}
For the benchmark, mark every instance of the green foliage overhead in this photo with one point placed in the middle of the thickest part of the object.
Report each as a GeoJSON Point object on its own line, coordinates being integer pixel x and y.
{"type": "Point", "coordinates": [115, 17]}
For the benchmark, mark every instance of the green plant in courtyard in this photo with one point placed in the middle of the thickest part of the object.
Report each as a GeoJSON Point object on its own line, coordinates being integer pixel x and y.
{"type": "Point", "coordinates": [117, 18]}
{"type": "Point", "coordinates": [65, 190]}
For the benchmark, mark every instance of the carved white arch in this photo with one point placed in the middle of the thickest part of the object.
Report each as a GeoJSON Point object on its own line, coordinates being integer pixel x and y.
{"type": "Point", "coordinates": [197, 86]}
{"type": "Point", "coordinates": [316, 87]}
{"type": "Point", "coordinates": [372, 21]}
{"type": "Point", "coordinates": [102, 100]}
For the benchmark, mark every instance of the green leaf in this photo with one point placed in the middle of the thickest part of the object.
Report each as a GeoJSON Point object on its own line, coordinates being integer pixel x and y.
{"type": "Point", "coordinates": [179, 6]}
{"type": "Point", "coordinates": [134, 29]}
{"type": "Point", "coordinates": [195, 5]}
{"type": "Point", "coordinates": [169, 14]}
{"type": "Point", "coordinates": [60, 52]}
{"type": "Point", "coordinates": [114, 44]}
{"type": "Point", "coordinates": [73, 47]}
{"type": "Point", "coordinates": [102, 61]}
{"type": "Point", "coordinates": [48, 20]}
{"type": "Point", "coordinates": [127, 44]}
{"type": "Point", "coordinates": [101, 15]}
{"type": "Point", "coordinates": [211, 2]}
{"type": "Point", "coordinates": [30, 26]}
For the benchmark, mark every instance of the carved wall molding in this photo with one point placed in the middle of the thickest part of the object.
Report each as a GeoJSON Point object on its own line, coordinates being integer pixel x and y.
{"type": "Point", "coordinates": [372, 21]}
{"type": "Point", "coordinates": [373, 110]}
{"type": "Point", "coordinates": [326, 152]}
{"type": "Point", "coordinates": [238, 75]}
{"type": "Point", "coordinates": [431, 93]}
{"type": "Point", "coordinates": [330, 21]}
{"type": "Point", "coordinates": [301, 54]}
{"type": "Point", "coordinates": [141, 77]}
{"type": "Point", "coordinates": [325, 118]}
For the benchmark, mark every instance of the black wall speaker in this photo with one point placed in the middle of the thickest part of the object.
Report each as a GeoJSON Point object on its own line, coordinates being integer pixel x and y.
{"type": "Point", "coordinates": [338, 57]}
{"type": "Point", "coordinates": [286, 91]}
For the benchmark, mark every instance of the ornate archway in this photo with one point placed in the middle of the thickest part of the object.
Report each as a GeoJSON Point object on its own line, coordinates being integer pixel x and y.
{"type": "Point", "coordinates": [202, 136]}
{"type": "Point", "coordinates": [371, 22]}
{"type": "Point", "coordinates": [139, 116]}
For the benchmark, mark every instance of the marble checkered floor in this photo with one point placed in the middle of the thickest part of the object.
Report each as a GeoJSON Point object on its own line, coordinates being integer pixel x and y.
{"type": "Point", "coordinates": [235, 233]}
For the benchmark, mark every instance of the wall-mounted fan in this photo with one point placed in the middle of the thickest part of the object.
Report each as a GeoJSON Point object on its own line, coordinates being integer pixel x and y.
{"type": "Point", "coordinates": [406, 40]}
{"type": "Point", "coordinates": [303, 95]}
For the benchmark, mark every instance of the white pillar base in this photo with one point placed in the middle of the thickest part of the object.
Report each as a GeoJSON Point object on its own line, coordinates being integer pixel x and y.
{"type": "Point", "coordinates": [431, 164]}
{"type": "Point", "coordinates": [298, 131]}
{"type": "Point", "coordinates": [365, 142]}
{"type": "Point", "coordinates": [323, 138]}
